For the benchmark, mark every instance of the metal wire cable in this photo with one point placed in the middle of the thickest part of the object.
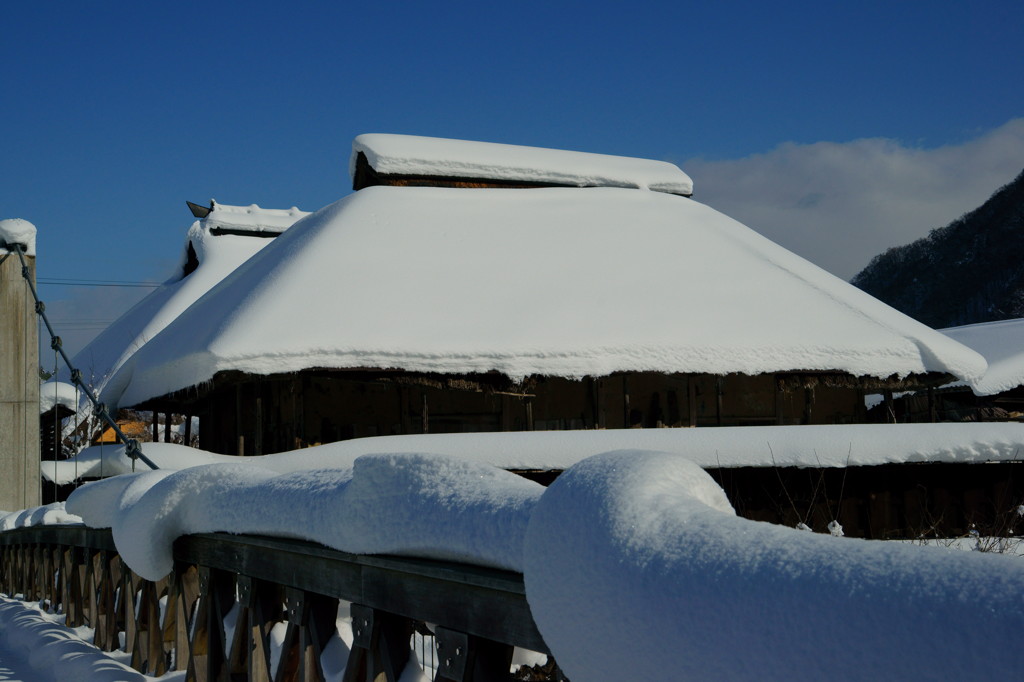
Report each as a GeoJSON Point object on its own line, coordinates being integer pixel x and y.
{"type": "Point", "coordinates": [131, 446]}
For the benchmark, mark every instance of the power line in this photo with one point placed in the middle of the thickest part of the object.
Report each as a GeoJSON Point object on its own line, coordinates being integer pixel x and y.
{"type": "Point", "coordinates": [96, 283]}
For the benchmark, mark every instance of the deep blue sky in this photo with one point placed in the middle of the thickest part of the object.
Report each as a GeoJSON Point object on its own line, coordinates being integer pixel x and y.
{"type": "Point", "coordinates": [115, 113]}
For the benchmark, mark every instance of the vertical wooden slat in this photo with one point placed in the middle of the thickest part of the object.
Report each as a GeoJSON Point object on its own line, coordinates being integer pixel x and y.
{"type": "Point", "coordinates": [105, 627]}
{"type": "Point", "coordinates": [691, 400]}
{"type": "Point", "coordinates": [187, 579]}
{"type": "Point", "coordinates": [208, 657]}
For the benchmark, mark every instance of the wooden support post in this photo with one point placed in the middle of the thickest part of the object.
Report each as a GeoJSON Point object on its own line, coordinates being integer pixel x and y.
{"type": "Point", "coordinates": [691, 401]}
{"type": "Point", "coordinates": [188, 430]}
{"type": "Point", "coordinates": [890, 408]}
{"type": "Point", "coordinates": [186, 579]}
{"type": "Point", "coordinates": [808, 403]}
{"type": "Point", "coordinates": [380, 645]}
{"type": "Point", "coordinates": [90, 592]}
{"type": "Point", "coordinates": [780, 401]}
{"type": "Point", "coordinates": [156, 426]}
{"type": "Point", "coordinates": [71, 595]}
{"type": "Point", "coordinates": [465, 658]}
{"type": "Point", "coordinates": [126, 600]}
{"type": "Point", "coordinates": [311, 620]}
{"type": "Point", "coordinates": [259, 608]}
{"type": "Point", "coordinates": [239, 435]}
{"type": "Point", "coordinates": [148, 652]}
{"type": "Point", "coordinates": [506, 412]}
{"type": "Point", "coordinates": [425, 414]}
{"type": "Point", "coordinates": [719, 392]}
{"type": "Point", "coordinates": [105, 619]}
{"type": "Point", "coordinates": [257, 436]}
{"type": "Point", "coordinates": [167, 427]}
{"type": "Point", "coordinates": [208, 651]}
{"type": "Point", "coordinates": [625, 402]}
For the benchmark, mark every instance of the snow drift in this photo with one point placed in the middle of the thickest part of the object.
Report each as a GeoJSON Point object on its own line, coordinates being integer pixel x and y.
{"type": "Point", "coordinates": [643, 548]}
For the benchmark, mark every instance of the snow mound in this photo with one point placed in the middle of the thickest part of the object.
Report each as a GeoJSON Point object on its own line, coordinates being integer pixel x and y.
{"type": "Point", "coordinates": [643, 547]}
{"type": "Point", "coordinates": [46, 515]}
{"type": "Point", "coordinates": [636, 545]}
{"type": "Point", "coordinates": [53, 393]}
{"type": "Point", "coordinates": [437, 157]}
{"type": "Point", "coordinates": [17, 231]}
{"type": "Point", "coordinates": [412, 504]}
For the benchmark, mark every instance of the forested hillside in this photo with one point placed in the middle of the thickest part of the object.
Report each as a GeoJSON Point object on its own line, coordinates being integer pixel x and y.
{"type": "Point", "coordinates": [971, 270]}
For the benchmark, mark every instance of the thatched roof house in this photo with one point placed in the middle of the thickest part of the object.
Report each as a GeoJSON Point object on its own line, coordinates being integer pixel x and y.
{"type": "Point", "coordinates": [599, 297]}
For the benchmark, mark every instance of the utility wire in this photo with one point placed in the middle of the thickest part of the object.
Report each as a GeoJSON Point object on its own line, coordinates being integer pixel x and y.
{"type": "Point", "coordinates": [96, 283]}
{"type": "Point", "coordinates": [131, 446]}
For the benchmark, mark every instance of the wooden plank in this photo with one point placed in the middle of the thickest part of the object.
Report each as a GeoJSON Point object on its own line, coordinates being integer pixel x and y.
{"type": "Point", "coordinates": [484, 602]}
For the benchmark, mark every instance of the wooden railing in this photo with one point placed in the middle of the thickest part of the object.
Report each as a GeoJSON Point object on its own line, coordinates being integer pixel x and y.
{"type": "Point", "coordinates": [475, 615]}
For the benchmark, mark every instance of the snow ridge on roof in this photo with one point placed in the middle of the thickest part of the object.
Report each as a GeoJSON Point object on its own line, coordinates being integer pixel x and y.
{"type": "Point", "coordinates": [558, 282]}
{"type": "Point", "coordinates": [432, 156]}
{"type": "Point", "coordinates": [251, 218]}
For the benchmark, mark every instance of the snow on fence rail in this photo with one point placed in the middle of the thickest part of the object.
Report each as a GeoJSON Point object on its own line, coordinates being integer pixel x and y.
{"type": "Point", "coordinates": [214, 615]}
{"type": "Point", "coordinates": [631, 565]}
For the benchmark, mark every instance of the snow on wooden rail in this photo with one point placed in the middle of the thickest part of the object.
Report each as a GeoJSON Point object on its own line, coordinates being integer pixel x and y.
{"type": "Point", "coordinates": [253, 583]}
{"type": "Point", "coordinates": [643, 547]}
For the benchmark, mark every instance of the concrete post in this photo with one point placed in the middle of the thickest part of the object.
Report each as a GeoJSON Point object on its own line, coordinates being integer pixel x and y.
{"type": "Point", "coordinates": [19, 371]}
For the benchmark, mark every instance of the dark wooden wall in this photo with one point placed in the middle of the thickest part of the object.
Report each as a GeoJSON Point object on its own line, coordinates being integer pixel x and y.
{"type": "Point", "coordinates": [886, 501]}
{"type": "Point", "coordinates": [261, 415]}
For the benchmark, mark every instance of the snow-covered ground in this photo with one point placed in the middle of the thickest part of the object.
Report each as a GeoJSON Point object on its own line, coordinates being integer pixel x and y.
{"type": "Point", "coordinates": [36, 647]}
{"type": "Point", "coordinates": [640, 545]}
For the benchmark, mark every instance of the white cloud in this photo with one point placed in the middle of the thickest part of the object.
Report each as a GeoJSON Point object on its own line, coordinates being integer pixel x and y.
{"type": "Point", "coordinates": [840, 204]}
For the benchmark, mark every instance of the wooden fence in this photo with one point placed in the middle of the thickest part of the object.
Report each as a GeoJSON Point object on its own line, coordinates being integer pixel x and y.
{"type": "Point", "coordinates": [465, 620]}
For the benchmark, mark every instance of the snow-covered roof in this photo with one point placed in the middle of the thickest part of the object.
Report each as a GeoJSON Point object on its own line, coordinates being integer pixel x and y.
{"type": "Point", "coordinates": [558, 281]}
{"type": "Point", "coordinates": [217, 255]}
{"type": "Point", "coordinates": [1002, 345]}
{"type": "Point", "coordinates": [53, 393]}
{"type": "Point", "coordinates": [250, 218]}
{"type": "Point", "coordinates": [17, 231]}
{"type": "Point", "coordinates": [436, 157]}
